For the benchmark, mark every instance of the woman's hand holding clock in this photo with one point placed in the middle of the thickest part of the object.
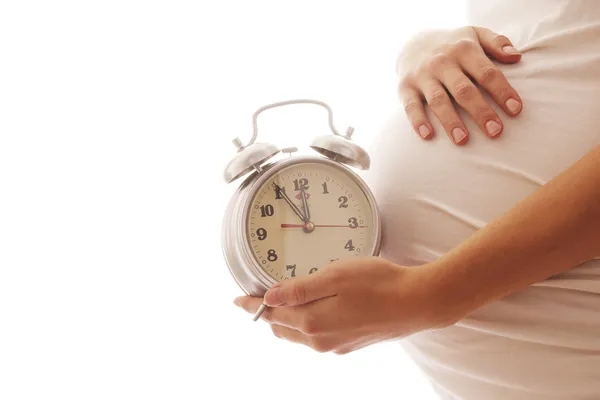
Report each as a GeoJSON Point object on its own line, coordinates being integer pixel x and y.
{"type": "Point", "coordinates": [353, 303]}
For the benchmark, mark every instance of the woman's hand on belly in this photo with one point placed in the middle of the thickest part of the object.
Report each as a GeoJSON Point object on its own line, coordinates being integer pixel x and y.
{"type": "Point", "coordinates": [351, 304]}
{"type": "Point", "coordinates": [436, 63]}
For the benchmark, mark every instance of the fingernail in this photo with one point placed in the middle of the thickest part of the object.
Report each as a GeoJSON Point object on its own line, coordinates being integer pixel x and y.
{"type": "Point", "coordinates": [237, 302]}
{"type": "Point", "coordinates": [424, 131]}
{"type": "Point", "coordinates": [513, 105]}
{"type": "Point", "coordinates": [510, 50]}
{"type": "Point", "coordinates": [458, 134]}
{"type": "Point", "coordinates": [492, 127]}
{"type": "Point", "coordinates": [274, 297]}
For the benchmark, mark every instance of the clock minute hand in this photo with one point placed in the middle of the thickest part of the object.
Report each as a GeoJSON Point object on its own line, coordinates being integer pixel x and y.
{"type": "Point", "coordinates": [291, 204]}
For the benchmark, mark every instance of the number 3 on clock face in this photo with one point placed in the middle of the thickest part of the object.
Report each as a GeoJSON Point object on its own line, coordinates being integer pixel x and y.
{"type": "Point", "coordinates": [307, 215]}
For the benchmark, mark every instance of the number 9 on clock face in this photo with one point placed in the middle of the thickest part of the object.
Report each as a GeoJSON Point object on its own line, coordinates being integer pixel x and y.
{"type": "Point", "coordinates": [308, 214]}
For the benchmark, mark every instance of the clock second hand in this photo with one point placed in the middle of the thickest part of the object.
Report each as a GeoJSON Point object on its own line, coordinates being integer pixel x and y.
{"type": "Point", "coordinates": [322, 226]}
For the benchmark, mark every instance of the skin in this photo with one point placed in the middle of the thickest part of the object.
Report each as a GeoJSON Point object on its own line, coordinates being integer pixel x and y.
{"type": "Point", "coordinates": [442, 68]}
{"type": "Point", "coordinates": [355, 303]}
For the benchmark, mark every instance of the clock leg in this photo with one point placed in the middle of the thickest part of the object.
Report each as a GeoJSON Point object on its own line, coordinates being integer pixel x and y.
{"type": "Point", "coordinates": [259, 312]}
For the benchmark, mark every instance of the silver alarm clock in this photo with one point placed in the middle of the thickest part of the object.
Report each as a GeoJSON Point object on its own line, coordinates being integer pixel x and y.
{"type": "Point", "coordinates": [292, 215]}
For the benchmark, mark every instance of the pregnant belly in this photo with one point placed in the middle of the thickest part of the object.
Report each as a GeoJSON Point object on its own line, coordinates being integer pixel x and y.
{"type": "Point", "coordinates": [434, 194]}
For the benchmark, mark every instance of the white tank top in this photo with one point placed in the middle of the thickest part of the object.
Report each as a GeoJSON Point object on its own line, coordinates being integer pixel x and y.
{"type": "Point", "coordinates": [543, 342]}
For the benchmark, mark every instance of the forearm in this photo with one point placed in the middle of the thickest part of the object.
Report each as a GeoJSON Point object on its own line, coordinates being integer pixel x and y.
{"type": "Point", "coordinates": [551, 231]}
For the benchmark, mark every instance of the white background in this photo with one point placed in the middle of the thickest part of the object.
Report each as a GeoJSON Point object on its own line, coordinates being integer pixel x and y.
{"type": "Point", "coordinates": [116, 120]}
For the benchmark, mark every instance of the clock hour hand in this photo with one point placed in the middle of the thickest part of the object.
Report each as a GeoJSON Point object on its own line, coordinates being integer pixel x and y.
{"type": "Point", "coordinates": [291, 204]}
{"type": "Point", "coordinates": [306, 210]}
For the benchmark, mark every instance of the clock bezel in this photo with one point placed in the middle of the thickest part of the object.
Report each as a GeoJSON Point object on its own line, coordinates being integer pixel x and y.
{"type": "Point", "coordinates": [242, 263]}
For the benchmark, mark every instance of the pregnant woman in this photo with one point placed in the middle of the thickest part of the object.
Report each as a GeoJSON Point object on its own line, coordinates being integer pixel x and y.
{"type": "Point", "coordinates": [490, 201]}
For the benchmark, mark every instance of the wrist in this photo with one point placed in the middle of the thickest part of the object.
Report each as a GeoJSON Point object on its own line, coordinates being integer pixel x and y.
{"type": "Point", "coordinates": [424, 297]}
{"type": "Point", "coordinates": [452, 298]}
{"type": "Point", "coordinates": [459, 292]}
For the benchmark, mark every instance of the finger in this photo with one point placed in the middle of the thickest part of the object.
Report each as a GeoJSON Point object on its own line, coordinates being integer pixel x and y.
{"type": "Point", "coordinates": [470, 99]}
{"type": "Point", "coordinates": [248, 303]}
{"type": "Point", "coordinates": [497, 46]}
{"type": "Point", "coordinates": [441, 105]}
{"type": "Point", "coordinates": [292, 317]}
{"type": "Point", "coordinates": [415, 111]}
{"type": "Point", "coordinates": [489, 77]}
{"type": "Point", "coordinates": [301, 290]}
{"type": "Point", "coordinates": [308, 318]}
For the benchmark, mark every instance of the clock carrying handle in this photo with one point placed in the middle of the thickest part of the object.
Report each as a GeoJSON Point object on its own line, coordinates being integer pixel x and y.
{"type": "Point", "coordinates": [239, 144]}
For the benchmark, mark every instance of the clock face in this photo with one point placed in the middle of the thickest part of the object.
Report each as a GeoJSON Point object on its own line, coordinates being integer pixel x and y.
{"type": "Point", "coordinates": [307, 215]}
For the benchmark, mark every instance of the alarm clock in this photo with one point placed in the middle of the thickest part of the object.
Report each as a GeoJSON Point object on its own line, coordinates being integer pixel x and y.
{"type": "Point", "coordinates": [294, 214]}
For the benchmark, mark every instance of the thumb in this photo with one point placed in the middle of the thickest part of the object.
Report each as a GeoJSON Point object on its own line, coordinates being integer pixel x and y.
{"type": "Point", "coordinates": [497, 46]}
{"type": "Point", "coordinates": [300, 290]}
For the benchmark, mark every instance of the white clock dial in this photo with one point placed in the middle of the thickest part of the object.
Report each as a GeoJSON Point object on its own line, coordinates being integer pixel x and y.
{"type": "Point", "coordinates": [287, 241]}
